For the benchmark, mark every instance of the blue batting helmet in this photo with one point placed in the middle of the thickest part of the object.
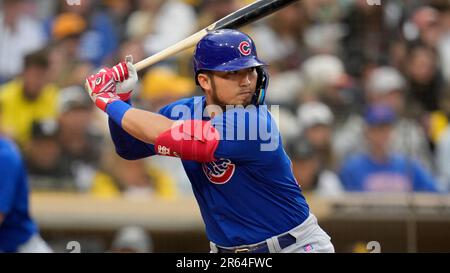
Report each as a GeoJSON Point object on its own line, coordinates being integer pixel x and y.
{"type": "Point", "coordinates": [230, 50]}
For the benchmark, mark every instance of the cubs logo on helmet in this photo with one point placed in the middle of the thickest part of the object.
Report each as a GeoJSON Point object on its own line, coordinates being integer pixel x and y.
{"type": "Point", "coordinates": [219, 172]}
{"type": "Point", "coordinates": [245, 48]}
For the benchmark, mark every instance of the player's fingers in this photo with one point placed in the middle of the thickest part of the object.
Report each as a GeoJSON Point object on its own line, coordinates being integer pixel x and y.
{"type": "Point", "coordinates": [120, 72]}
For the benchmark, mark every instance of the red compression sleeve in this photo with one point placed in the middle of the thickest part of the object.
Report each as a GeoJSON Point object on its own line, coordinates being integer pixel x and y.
{"type": "Point", "coordinates": [191, 140]}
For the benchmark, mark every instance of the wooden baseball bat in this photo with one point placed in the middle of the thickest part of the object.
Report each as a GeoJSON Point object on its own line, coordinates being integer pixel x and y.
{"type": "Point", "coordinates": [239, 18]}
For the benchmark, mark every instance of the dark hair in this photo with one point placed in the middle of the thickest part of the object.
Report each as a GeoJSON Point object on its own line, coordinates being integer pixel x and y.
{"type": "Point", "coordinates": [44, 129]}
{"type": "Point", "coordinates": [412, 48]}
{"type": "Point", "coordinates": [37, 58]}
{"type": "Point", "coordinates": [301, 149]}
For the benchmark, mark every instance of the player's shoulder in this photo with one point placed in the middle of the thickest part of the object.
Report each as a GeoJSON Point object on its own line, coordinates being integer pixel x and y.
{"type": "Point", "coordinates": [182, 106]}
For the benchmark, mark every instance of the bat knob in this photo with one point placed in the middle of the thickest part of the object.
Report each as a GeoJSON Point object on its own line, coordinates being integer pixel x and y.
{"type": "Point", "coordinates": [129, 59]}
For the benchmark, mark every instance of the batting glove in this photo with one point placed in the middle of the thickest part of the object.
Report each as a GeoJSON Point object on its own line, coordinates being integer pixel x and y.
{"type": "Point", "coordinates": [126, 77]}
{"type": "Point", "coordinates": [102, 88]}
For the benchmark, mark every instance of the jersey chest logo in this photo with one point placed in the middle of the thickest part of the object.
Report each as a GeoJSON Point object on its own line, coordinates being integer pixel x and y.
{"type": "Point", "coordinates": [220, 171]}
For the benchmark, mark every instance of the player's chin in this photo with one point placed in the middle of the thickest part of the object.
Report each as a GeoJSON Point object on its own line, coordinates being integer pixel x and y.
{"type": "Point", "coordinates": [242, 103]}
{"type": "Point", "coordinates": [243, 99]}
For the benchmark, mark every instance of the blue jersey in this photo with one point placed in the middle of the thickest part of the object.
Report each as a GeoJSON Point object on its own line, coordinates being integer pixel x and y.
{"type": "Point", "coordinates": [17, 226]}
{"type": "Point", "coordinates": [397, 174]}
{"type": "Point", "coordinates": [249, 194]}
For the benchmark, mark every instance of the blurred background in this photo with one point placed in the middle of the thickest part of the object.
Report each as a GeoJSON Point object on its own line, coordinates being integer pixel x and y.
{"type": "Point", "coordinates": [364, 97]}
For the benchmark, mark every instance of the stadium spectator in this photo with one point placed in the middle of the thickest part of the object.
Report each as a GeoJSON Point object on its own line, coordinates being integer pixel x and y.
{"type": "Point", "coordinates": [66, 66]}
{"type": "Point", "coordinates": [326, 79]}
{"type": "Point", "coordinates": [99, 41]}
{"type": "Point", "coordinates": [315, 121]}
{"type": "Point", "coordinates": [311, 175]}
{"type": "Point", "coordinates": [160, 31]}
{"type": "Point", "coordinates": [28, 98]}
{"type": "Point", "coordinates": [19, 35]}
{"type": "Point", "coordinates": [385, 85]}
{"type": "Point", "coordinates": [141, 179]}
{"type": "Point", "coordinates": [81, 147]}
{"type": "Point", "coordinates": [382, 170]}
{"type": "Point", "coordinates": [43, 157]}
{"type": "Point", "coordinates": [281, 38]}
{"type": "Point", "coordinates": [424, 81]}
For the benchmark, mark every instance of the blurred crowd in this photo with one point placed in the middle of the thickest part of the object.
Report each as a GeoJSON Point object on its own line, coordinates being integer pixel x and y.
{"type": "Point", "coordinates": [363, 90]}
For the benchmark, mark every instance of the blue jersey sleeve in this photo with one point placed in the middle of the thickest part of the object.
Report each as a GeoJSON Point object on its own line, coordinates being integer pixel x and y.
{"type": "Point", "coordinates": [127, 146]}
{"type": "Point", "coordinates": [246, 134]}
{"type": "Point", "coordinates": [9, 170]}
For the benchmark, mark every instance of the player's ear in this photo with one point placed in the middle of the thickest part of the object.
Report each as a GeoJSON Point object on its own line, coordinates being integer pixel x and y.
{"type": "Point", "coordinates": [204, 80]}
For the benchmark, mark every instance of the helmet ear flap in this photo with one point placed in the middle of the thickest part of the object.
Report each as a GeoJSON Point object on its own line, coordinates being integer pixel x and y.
{"type": "Point", "coordinates": [261, 86]}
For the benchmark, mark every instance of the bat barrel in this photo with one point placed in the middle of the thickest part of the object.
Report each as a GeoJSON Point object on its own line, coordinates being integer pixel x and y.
{"type": "Point", "coordinates": [251, 13]}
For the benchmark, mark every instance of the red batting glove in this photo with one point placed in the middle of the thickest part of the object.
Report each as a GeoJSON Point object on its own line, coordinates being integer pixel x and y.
{"type": "Point", "coordinates": [120, 72]}
{"type": "Point", "coordinates": [102, 88]}
{"type": "Point", "coordinates": [126, 77]}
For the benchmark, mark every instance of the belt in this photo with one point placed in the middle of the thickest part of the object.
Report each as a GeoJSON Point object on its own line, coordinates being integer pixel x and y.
{"type": "Point", "coordinates": [283, 240]}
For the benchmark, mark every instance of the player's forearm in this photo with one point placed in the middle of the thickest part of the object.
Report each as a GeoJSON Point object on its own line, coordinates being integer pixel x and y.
{"type": "Point", "coordinates": [145, 126]}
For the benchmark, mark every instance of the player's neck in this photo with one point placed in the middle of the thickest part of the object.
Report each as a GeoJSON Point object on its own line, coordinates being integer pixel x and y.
{"type": "Point", "coordinates": [379, 156]}
{"type": "Point", "coordinates": [213, 108]}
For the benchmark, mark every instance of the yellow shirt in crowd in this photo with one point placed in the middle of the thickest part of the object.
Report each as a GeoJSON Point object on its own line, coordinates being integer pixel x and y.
{"type": "Point", "coordinates": [18, 114]}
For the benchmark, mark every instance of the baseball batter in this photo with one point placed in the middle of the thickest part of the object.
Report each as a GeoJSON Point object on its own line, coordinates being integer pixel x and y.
{"type": "Point", "coordinates": [240, 174]}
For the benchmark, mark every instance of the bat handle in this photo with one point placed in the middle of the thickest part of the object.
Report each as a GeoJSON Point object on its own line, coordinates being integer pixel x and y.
{"type": "Point", "coordinates": [174, 49]}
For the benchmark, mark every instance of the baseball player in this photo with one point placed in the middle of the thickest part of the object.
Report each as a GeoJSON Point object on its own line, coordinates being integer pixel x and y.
{"type": "Point", "coordinates": [242, 180]}
{"type": "Point", "coordinates": [18, 232]}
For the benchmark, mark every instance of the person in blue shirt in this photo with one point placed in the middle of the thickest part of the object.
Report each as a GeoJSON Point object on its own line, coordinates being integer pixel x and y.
{"type": "Point", "coordinates": [381, 170]}
{"type": "Point", "coordinates": [229, 145]}
{"type": "Point", "coordinates": [18, 232]}
{"type": "Point", "coordinates": [97, 41]}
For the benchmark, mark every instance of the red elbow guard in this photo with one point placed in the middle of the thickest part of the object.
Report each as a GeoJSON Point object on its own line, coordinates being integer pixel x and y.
{"type": "Point", "coordinates": [191, 140]}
